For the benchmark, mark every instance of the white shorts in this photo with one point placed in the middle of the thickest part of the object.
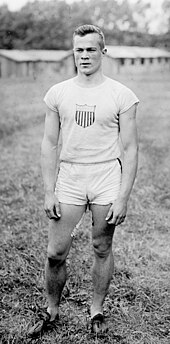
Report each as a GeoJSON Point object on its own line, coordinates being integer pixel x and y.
{"type": "Point", "coordinates": [81, 184]}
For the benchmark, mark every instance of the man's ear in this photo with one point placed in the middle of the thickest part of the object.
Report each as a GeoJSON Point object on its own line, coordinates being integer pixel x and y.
{"type": "Point", "coordinates": [104, 51]}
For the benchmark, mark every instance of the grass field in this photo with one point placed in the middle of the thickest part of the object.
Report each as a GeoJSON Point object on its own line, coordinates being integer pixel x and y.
{"type": "Point", "coordinates": [137, 308]}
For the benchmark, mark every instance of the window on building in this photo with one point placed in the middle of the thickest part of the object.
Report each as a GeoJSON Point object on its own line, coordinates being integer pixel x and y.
{"type": "Point", "coordinates": [122, 61]}
{"type": "Point", "coordinates": [151, 60]}
{"type": "Point", "coordinates": [132, 61]}
{"type": "Point", "coordinates": [159, 59]}
{"type": "Point", "coordinates": [142, 60]}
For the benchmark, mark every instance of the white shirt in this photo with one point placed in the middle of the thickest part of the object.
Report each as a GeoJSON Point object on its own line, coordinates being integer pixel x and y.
{"type": "Point", "coordinates": [89, 119]}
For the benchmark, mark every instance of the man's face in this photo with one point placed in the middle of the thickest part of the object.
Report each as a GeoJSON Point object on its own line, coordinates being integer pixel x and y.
{"type": "Point", "coordinates": [87, 53]}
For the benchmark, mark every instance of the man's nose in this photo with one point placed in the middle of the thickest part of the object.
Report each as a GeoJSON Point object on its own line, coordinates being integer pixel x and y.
{"type": "Point", "coordinates": [85, 55]}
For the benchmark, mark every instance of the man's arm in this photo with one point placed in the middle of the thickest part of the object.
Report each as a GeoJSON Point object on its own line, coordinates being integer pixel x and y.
{"type": "Point", "coordinates": [128, 135]}
{"type": "Point", "coordinates": [49, 162]}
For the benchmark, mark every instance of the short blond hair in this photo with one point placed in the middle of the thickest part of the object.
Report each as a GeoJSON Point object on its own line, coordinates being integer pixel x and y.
{"type": "Point", "coordinates": [86, 29]}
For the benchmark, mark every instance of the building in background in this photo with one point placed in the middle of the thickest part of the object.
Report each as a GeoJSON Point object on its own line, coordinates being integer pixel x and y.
{"type": "Point", "coordinates": [33, 63]}
{"type": "Point", "coordinates": [118, 60]}
{"type": "Point", "coordinates": [134, 59]}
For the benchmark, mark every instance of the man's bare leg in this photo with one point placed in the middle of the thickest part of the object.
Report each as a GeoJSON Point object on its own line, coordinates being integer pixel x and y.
{"type": "Point", "coordinates": [58, 248]}
{"type": "Point", "coordinates": [102, 235]}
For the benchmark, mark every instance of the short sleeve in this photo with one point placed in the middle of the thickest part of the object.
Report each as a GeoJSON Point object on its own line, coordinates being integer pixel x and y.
{"type": "Point", "coordinates": [127, 98]}
{"type": "Point", "coordinates": [50, 99]}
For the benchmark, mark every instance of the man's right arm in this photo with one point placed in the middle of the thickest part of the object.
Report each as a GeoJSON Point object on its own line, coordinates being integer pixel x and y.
{"type": "Point", "coordinates": [49, 162]}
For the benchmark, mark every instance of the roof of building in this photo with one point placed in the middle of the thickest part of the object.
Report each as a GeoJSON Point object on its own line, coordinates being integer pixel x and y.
{"type": "Point", "coordinates": [58, 55]}
{"type": "Point", "coordinates": [135, 52]}
{"type": "Point", "coordinates": [35, 55]}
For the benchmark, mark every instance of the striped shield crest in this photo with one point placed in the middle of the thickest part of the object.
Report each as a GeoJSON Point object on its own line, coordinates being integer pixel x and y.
{"type": "Point", "coordinates": [85, 115]}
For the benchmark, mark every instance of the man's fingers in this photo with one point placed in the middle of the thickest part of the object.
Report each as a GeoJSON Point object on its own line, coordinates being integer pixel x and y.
{"type": "Point", "coordinates": [53, 213]}
{"type": "Point", "coordinates": [113, 220]}
{"type": "Point", "coordinates": [52, 207]}
{"type": "Point", "coordinates": [117, 220]}
{"type": "Point", "coordinates": [56, 210]}
{"type": "Point", "coordinates": [48, 213]}
{"type": "Point", "coordinates": [109, 214]}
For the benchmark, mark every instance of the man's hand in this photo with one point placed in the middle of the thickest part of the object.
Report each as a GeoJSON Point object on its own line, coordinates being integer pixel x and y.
{"type": "Point", "coordinates": [51, 206]}
{"type": "Point", "coordinates": [117, 213]}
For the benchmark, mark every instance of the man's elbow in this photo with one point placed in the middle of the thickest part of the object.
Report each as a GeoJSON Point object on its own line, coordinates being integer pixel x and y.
{"type": "Point", "coordinates": [48, 145]}
{"type": "Point", "coordinates": [131, 152]}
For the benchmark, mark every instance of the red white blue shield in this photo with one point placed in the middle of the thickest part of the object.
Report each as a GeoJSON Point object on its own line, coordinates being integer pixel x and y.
{"type": "Point", "coordinates": [85, 115]}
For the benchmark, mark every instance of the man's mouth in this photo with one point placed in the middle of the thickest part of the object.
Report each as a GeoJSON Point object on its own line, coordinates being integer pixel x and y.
{"type": "Point", "coordinates": [85, 64]}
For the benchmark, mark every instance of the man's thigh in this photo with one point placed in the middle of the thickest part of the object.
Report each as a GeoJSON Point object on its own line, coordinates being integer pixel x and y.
{"type": "Point", "coordinates": [59, 235]}
{"type": "Point", "coordinates": [102, 232]}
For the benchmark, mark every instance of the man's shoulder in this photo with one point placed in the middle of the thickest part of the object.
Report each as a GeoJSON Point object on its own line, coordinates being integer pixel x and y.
{"type": "Point", "coordinates": [62, 84]}
{"type": "Point", "coordinates": [58, 90]}
{"type": "Point", "coordinates": [115, 84]}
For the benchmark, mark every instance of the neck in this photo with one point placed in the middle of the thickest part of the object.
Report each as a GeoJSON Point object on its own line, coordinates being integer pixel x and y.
{"type": "Point", "coordinates": [90, 80]}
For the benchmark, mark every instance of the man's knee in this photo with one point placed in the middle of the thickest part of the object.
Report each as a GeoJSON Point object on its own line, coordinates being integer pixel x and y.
{"type": "Point", "coordinates": [102, 247]}
{"type": "Point", "coordinates": [57, 254]}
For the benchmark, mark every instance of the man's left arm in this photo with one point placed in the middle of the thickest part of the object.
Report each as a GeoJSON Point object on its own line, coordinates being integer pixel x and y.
{"type": "Point", "coordinates": [128, 136]}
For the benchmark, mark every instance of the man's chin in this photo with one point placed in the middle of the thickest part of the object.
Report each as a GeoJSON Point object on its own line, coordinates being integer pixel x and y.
{"type": "Point", "coordinates": [86, 72]}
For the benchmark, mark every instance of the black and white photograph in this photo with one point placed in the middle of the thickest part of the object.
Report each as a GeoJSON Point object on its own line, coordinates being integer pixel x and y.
{"type": "Point", "coordinates": [85, 171]}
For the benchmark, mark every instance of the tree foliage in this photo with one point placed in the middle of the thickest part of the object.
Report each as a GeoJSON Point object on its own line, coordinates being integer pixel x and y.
{"type": "Point", "coordinates": [50, 24]}
{"type": "Point", "coordinates": [166, 8]}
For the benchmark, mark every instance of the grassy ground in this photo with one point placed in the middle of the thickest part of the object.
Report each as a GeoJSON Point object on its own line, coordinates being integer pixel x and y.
{"type": "Point", "coordinates": [137, 307]}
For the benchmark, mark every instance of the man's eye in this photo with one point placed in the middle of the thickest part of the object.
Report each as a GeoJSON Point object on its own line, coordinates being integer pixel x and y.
{"type": "Point", "coordinates": [91, 50]}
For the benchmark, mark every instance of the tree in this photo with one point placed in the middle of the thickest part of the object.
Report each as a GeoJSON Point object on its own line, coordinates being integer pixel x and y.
{"type": "Point", "coordinates": [166, 8]}
{"type": "Point", "coordinates": [50, 24]}
{"type": "Point", "coordinates": [7, 31]}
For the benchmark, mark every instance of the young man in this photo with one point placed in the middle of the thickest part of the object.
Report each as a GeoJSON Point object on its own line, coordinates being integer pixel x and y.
{"type": "Point", "coordinates": [92, 112]}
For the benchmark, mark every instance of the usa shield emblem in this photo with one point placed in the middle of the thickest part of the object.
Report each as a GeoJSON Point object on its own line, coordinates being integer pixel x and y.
{"type": "Point", "coordinates": [85, 115]}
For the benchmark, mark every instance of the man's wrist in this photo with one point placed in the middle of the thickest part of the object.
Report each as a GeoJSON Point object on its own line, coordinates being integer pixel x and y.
{"type": "Point", "coordinates": [123, 198]}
